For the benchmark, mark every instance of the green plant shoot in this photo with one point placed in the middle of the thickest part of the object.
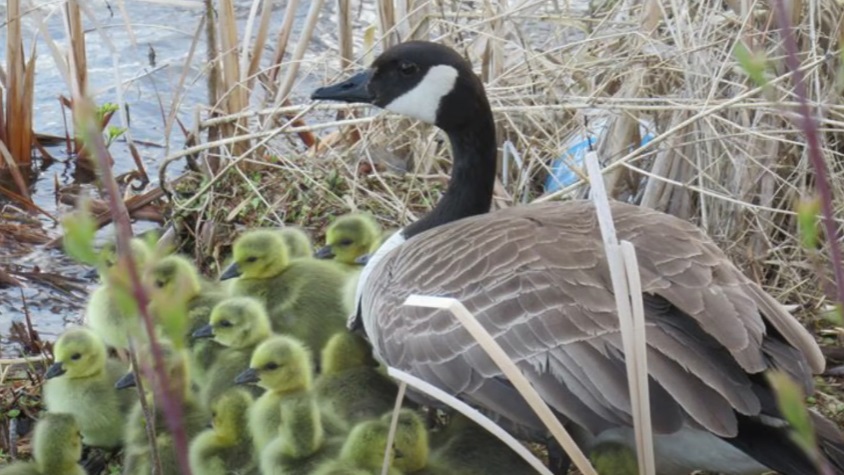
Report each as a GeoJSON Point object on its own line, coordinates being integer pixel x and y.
{"type": "Point", "coordinates": [807, 221]}
{"type": "Point", "coordinates": [79, 229]}
{"type": "Point", "coordinates": [754, 64]}
{"type": "Point", "coordinates": [790, 399]}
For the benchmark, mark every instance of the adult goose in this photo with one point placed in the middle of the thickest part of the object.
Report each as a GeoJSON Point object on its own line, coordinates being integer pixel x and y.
{"type": "Point", "coordinates": [537, 279]}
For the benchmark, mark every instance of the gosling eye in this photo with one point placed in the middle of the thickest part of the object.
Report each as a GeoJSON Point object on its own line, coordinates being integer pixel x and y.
{"type": "Point", "coordinates": [75, 356]}
{"type": "Point", "coordinates": [345, 242]}
{"type": "Point", "coordinates": [160, 283]}
{"type": "Point", "coordinates": [271, 366]}
{"type": "Point", "coordinates": [407, 68]}
{"type": "Point", "coordinates": [225, 323]}
{"type": "Point", "coordinates": [251, 259]}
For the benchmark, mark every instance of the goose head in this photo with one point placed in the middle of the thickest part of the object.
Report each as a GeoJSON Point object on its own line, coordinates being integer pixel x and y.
{"type": "Point", "coordinates": [281, 364]}
{"type": "Point", "coordinates": [173, 278]}
{"type": "Point", "coordinates": [237, 322]}
{"type": "Point", "coordinates": [78, 353]}
{"type": "Point", "coordinates": [57, 443]}
{"type": "Point", "coordinates": [350, 237]}
{"type": "Point", "coordinates": [411, 441]}
{"type": "Point", "coordinates": [418, 79]}
{"type": "Point", "coordinates": [259, 254]}
{"type": "Point", "coordinates": [228, 414]}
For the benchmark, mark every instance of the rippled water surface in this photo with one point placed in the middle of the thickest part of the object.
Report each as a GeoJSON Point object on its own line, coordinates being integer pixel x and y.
{"type": "Point", "coordinates": [168, 31]}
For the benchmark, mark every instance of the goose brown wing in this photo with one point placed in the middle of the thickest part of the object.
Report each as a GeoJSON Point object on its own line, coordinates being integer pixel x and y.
{"type": "Point", "coordinates": [537, 279]}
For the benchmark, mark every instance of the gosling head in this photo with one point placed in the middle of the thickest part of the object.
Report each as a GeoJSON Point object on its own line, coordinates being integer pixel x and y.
{"type": "Point", "coordinates": [419, 79]}
{"type": "Point", "coordinates": [237, 322]}
{"type": "Point", "coordinates": [350, 237]}
{"type": "Point", "coordinates": [411, 441]}
{"type": "Point", "coordinates": [229, 414]}
{"type": "Point", "coordinates": [78, 353]}
{"type": "Point", "coordinates": [281, 364]}
{"type": "Point", "coordinates": [345, 351]}
{"type": "Point", "coordinates": [366, 445]}
{"type": "Point", "coordinates": [108, 257]}
{"type": "Point", "coordinates": [259, 254]}
{"type": "Point", "coordinates": [57, 442]}
{"type": "Point", "coordinates": [176, 368]}
{"type": "Point", "coordinates": [172, 278]}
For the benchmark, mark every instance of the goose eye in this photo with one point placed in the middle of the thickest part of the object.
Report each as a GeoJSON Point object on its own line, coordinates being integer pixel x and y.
{"type": "Point", "coordinates": [407, 68]}
{"type": "Point", "coordinates": [251, 259]}
{"type": "Point", "coordinates": [75, 356]}
{"type": "Point", "coordinates": [271, 366]}
{"type": "Point", "coordinates": [225, 323]}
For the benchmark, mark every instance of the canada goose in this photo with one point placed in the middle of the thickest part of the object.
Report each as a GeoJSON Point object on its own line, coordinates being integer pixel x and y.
{"type": "Point", "coordinates": [362, 453]}
{"type": "Point", "coordinates": [303, 297]}
{"type": "Point", "coordinates": [238, 324]}
{"type": "Point", "coordinates": [112, 324]}
{"type": "Point", "coordinates": [56, 448]}
{"type": "Point", "coordinates": [282, 366]}
{"type": "Point", "coordinates": [349, 237]}
{"type": "Point", "coordinates": [536, 277]}
{"type": "Point", "coordinates": [350, 386]}
{"type": "Point", "coordinates": [137, 452]}
{"type": "Point", "coordinates": [81, 382]}
{"type": "Point", "coordinates": [298, 242]}
{"type": "Point", "coordinates": [226, 447]}
{"type": "Point", "coordinates": [175, 283]}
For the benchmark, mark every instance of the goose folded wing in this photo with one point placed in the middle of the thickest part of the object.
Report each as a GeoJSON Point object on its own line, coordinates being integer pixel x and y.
{"type": "Point", "coordinates": [537, 279]}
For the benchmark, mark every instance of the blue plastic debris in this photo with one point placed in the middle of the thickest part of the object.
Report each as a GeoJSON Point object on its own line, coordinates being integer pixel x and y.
{"type": "Point", "coordinates": [562, 175]}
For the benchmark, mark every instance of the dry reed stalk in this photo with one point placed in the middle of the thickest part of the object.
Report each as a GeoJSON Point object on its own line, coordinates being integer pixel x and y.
{"type": "Point", "coordinates": [387, 23]}
{"type": "Point", "coordinates": [234, 95]}
{"type": "Point", "coordinates": [627, 289]}
{"type": "Point", "coordinates": [17, 134]}
{"type": "Point", "coordinates": [511, 371]}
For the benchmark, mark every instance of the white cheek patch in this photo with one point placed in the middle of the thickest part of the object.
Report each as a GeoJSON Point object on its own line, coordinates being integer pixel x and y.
{"type": "Point", "coordinates": [423, 101]}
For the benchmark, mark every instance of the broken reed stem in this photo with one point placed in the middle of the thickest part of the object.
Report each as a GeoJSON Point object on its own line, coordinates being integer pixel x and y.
{"type": "Point", "coordinates": [394, 423]}
{"type": "Point", "coordinates": [511, 371]}
{"type": "Point", "coordinates": [123, 229]}
{"type": "Point", "coordinates": [471, 413]}
{"type": "Point", "coordinates": [809, 125]}
{"type": "Point", "coordinates": [627, 289]}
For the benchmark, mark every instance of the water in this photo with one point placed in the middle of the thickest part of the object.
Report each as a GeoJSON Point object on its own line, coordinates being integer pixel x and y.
{"type": "Point", "coordinates": [168, 30]}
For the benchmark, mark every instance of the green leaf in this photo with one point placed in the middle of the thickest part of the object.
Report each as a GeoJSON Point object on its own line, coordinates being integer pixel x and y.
{"type": "Point", "coordinates": [79, 229]}
{"type": "Point", "coordinates": [790, 399]}
{"type": "Point", "coordinates": [12, 413]}
{"type": "Point", "coordinates": [754, 64]}
{"type": "Point", "coordinates": [807, 221]}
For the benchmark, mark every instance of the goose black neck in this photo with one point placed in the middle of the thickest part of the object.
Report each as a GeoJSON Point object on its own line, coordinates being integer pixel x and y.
{"type": "Point", "coordinates": [470, 188]}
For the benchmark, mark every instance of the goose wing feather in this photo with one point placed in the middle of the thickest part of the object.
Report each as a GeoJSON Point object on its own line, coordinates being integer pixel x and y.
{"type": "Point", "coordinates": [537, 279]}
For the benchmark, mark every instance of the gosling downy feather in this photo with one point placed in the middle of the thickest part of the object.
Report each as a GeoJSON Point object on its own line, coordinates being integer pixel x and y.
{"type": "Point", "coordinates": [238, 325]}
{"type": "Point", "coordinates": [227, 447]}
{"type": "Point", "coordinates": [137, 452]}
{"type": "Point", "coordinates": [57, 448]}
{"type": "Point", "coordinates": [536, 277]}
{"type": "Point", "coordinates": [362, 453]}
{"type": "Point", "coordinates": [303, 297]}
{"type": "Point", "coordinates": [102, 314]}
{"type": "Point", "coordinates": [350, 385]}
{"type": "Point", "coordinates": [349, 237]}
{"type": "Point", "coordinates": [282, 366]}
{"type": "Point", "coordinates": [81, 382]}
{"type": "Point", "coordinates": [175, 283]}
{"type": "Point", "coordinates": [298, 242]}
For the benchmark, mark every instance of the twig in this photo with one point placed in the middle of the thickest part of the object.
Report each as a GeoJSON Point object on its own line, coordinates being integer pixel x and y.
{"type": "Point", "coordinates": [810, 129]}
